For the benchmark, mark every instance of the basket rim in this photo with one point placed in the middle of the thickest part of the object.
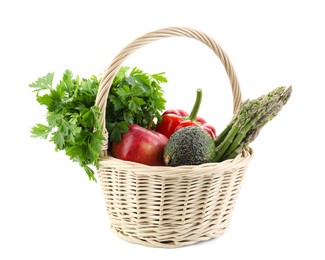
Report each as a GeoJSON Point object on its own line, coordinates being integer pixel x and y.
{"type": "Point", "coordinates": [165, 171]}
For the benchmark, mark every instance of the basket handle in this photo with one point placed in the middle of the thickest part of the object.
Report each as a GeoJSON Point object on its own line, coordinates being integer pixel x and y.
{"type": "Point", "coordinates": [107, 79]}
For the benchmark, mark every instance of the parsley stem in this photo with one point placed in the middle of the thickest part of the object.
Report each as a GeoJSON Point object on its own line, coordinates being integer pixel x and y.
{"type": "Point", "coordinates": [150, 123]}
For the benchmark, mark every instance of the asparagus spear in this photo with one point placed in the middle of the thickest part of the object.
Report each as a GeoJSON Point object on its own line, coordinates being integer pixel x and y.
{"type": "Point", "coordinates": [247, 123]}
{"type": "Point", "coordinates": [253, 133]}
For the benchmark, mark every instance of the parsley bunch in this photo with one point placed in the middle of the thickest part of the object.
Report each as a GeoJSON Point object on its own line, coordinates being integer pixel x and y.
{"type": "Point", "coordinates": [135, 97]}
{"type": "Point", "coordinates": [73, 119]}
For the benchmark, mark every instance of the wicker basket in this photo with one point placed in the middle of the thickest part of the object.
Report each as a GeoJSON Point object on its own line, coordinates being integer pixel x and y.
{"type": "Point", "coordinates": [169, 206]}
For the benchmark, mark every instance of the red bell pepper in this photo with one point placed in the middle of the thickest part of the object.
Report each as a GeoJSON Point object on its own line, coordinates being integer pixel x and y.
{"type": "Point", "coordinates": [175, 119]}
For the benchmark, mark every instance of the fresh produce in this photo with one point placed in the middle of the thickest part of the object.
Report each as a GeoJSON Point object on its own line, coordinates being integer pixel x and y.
{"type": "Point", "coordinates": [187, 147]}
{"type": "Point", "coordinates": [191, 145]}
{"type": "Point", "coordinates": [247, 123]}
{"type": "Point", "coordinates": [135, 98]}
{"type": "Point", "coordinates": [134, 103]}
{"type": "Point", "coordinates": [141, 145]}
{"type": "Point", "coordinates": [72, 117]}
{"type": "Point", "coordinates": [175, 119]}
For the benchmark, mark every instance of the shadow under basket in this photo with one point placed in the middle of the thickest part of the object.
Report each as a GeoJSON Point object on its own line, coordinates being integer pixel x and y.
{"type": "Point", "coordinates": [171, 206]}
{"type": "Point", "coordinates": [164, 206]}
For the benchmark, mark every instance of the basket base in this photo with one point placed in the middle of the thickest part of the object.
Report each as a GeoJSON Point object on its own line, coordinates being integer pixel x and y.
{"type": "Point", "coordinates": [165, 244]}
{"type": "Point", "coordinates": [171, 207]}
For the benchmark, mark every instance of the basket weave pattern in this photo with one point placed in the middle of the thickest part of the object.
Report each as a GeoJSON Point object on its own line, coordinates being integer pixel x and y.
{"type": "Point", "coordinates": [169, 206]}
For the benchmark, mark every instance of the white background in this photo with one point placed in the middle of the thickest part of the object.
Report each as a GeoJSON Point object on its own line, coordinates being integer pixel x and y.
{"type": "Point", "coordinates": [49, 209]}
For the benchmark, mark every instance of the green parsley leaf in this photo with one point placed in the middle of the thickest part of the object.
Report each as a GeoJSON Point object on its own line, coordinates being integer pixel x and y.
{"type": "Point", "coordinates": [58, 139]}
{"type": "Point", "coordinates": [116, 130]}
{"type": "Point", "coordinates": [90, 117]}
{"type": "Point", "coordinates": [53, 118]}
{"type": "Point", "coordinates": [43, 83]}
{"type": "Point", "coordinates": [56, 102]}
{"type": "Point", "coordinates": [44, 100]}
{"type": "Point", "coordinates": [41, 131]}
{"type": "Point", "coordinates": [160, 78]}
{"type": "Point", "coordinates": [66, 84]}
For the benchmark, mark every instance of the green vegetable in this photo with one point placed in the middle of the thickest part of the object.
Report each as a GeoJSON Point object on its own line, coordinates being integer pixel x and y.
{"type": "Point", "coordinates": [247, 123]}
{"type": "Point", "coordinates": [135, 98]}
{"type": "Point", "coordinates": [191, 145]}
{"type": "Point", "coordinates": [72, 118]}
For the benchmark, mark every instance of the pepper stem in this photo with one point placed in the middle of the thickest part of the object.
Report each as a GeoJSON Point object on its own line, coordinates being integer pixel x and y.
{"type": "Point", "coordinates": [196, 106]}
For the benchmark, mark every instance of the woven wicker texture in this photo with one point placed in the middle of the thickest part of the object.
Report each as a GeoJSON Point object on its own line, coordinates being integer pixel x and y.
{"type": "Point", "coordinates": [169, 206]}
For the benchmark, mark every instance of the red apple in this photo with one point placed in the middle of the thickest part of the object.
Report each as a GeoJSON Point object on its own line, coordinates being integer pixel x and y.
{"type": "Point", "coordinates": [141, 145]}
